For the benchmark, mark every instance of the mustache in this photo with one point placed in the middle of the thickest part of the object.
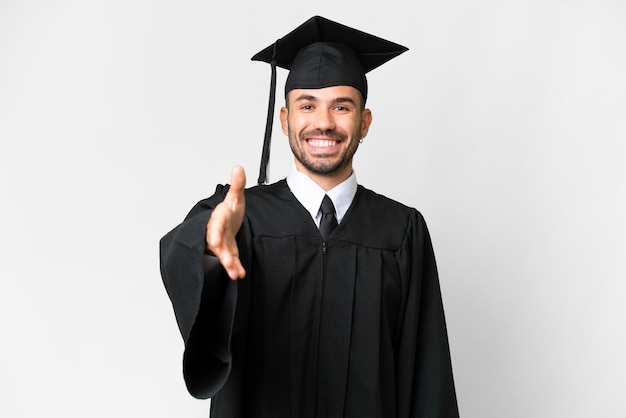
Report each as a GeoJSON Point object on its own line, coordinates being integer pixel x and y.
{"type": "Point", "coordinates": [330, 134]}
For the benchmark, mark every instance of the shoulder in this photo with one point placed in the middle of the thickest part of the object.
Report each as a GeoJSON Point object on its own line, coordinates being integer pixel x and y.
{"type": "Point", "coordinates": [382, 207]}
{"type": "Point", "coordinates": [256, 195]}
{"type": "Point", "coordinates": [207, 204]}
{"type": "Point", "coordinates": [270, 197]}
{"type": "Point", "coordinates": [377, 221]}
{"type": "Point", "coordinates": [273, 210]}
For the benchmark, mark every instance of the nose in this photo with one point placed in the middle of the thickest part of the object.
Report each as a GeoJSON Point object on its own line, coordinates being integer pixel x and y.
{"type": "Point", "coordinates": [324, 120]}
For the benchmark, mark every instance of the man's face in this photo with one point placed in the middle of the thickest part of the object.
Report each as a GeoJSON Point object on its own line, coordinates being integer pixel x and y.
{"type": "Point", "coordinates": [324, 127]}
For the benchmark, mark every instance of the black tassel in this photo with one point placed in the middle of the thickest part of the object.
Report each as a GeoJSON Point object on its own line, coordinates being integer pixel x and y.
{"type": "Point", "coordinates": [265, 154]}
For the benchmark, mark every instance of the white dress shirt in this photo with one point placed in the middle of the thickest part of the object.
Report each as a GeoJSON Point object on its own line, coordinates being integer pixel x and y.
{"type": "Point", "coordinates": [310, 194]}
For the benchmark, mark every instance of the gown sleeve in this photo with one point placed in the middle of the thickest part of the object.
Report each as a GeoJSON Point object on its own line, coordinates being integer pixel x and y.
{"type": "Point", "coordinates": [204, 301]}
{"type": "Point", "coordinates": [425, 380]}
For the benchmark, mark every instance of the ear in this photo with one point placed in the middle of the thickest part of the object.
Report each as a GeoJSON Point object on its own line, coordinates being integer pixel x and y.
{"type": "Point", "coordinates": [284, 115]}
{"type": "Point", "coordinates": [366, 121]}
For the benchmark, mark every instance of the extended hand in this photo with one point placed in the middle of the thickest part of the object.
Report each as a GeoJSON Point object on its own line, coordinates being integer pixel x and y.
{"type": "Point", "coordinates": [224, 224]}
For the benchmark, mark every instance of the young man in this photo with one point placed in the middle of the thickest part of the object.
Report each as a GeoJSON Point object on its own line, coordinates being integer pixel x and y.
{"type": "Point", "coordinates": [340, 312]}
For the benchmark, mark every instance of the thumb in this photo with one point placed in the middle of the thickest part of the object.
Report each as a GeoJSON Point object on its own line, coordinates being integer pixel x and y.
{"type": "Point", "coordinates": [237, 185]}
{"type": "Point", "coordinates": [238, 179]}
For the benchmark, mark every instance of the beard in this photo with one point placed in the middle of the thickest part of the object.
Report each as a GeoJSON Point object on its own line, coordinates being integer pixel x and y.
{"type": "Point", "coordinates": [318, 164]}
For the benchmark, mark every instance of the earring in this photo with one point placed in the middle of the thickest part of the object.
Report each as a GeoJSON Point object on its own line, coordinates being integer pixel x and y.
{"type": "Point", "coordinates": [361, 141]}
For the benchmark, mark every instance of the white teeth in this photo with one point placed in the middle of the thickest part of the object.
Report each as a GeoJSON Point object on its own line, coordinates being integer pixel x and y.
{"type": "Point", "coordinates": [322, 143]}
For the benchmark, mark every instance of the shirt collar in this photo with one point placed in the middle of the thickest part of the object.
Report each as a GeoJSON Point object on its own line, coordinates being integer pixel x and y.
{"type": "Point", "coordinates": [310, 194]}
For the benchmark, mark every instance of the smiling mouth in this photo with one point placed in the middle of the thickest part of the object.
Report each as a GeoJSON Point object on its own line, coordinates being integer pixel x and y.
{"type": "Point", "coordinates": [322, 143]}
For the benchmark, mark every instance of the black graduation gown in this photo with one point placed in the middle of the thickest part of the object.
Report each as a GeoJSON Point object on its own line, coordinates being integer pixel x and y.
{"type": "Point", "coordinates": [352, 327]}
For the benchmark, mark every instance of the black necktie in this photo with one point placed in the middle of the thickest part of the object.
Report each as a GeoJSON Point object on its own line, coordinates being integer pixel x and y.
{"type": "Point", "coordinates": [328, 221]}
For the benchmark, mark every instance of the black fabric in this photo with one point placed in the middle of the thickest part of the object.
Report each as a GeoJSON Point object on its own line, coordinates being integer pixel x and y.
{"type": "Point", "coordinates": [325, 64]}
{"type": "Point", "coordinates": [352, 327]}
{"type": "Point", "coordinates": [328, 221]}
{"type": "Point", "coordinates": [371, 51]}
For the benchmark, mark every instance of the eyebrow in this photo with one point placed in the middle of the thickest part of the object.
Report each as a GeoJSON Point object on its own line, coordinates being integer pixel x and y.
{"type": "Point", "coordinates": [307, 97]}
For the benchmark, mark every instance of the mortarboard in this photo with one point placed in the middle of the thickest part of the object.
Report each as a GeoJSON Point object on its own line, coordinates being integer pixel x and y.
{"type": "Point", "coordinates": [322, 53]}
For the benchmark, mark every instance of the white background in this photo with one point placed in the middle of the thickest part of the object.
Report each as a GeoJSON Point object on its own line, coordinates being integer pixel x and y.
{"type": "Point", "coordinates": [504, 124]}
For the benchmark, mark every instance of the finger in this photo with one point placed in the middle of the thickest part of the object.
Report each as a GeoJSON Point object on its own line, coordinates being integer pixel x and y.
{"type": "Point", "coordinates": [238, 179]}
{"type": "Point", "coordinates": [236, 271]}
{"type": "Point", "coordinates": [232, 265]}
{"type": "Point", "coordinates": [235, 195]}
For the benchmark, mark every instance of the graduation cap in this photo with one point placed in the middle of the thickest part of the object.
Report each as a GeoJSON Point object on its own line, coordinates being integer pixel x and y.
{"type": "Point", "coordinates": [322, 53]}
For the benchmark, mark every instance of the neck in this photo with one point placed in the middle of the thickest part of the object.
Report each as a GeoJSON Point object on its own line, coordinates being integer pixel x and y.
{"type": "Point", "coordinates": [327, 182]}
